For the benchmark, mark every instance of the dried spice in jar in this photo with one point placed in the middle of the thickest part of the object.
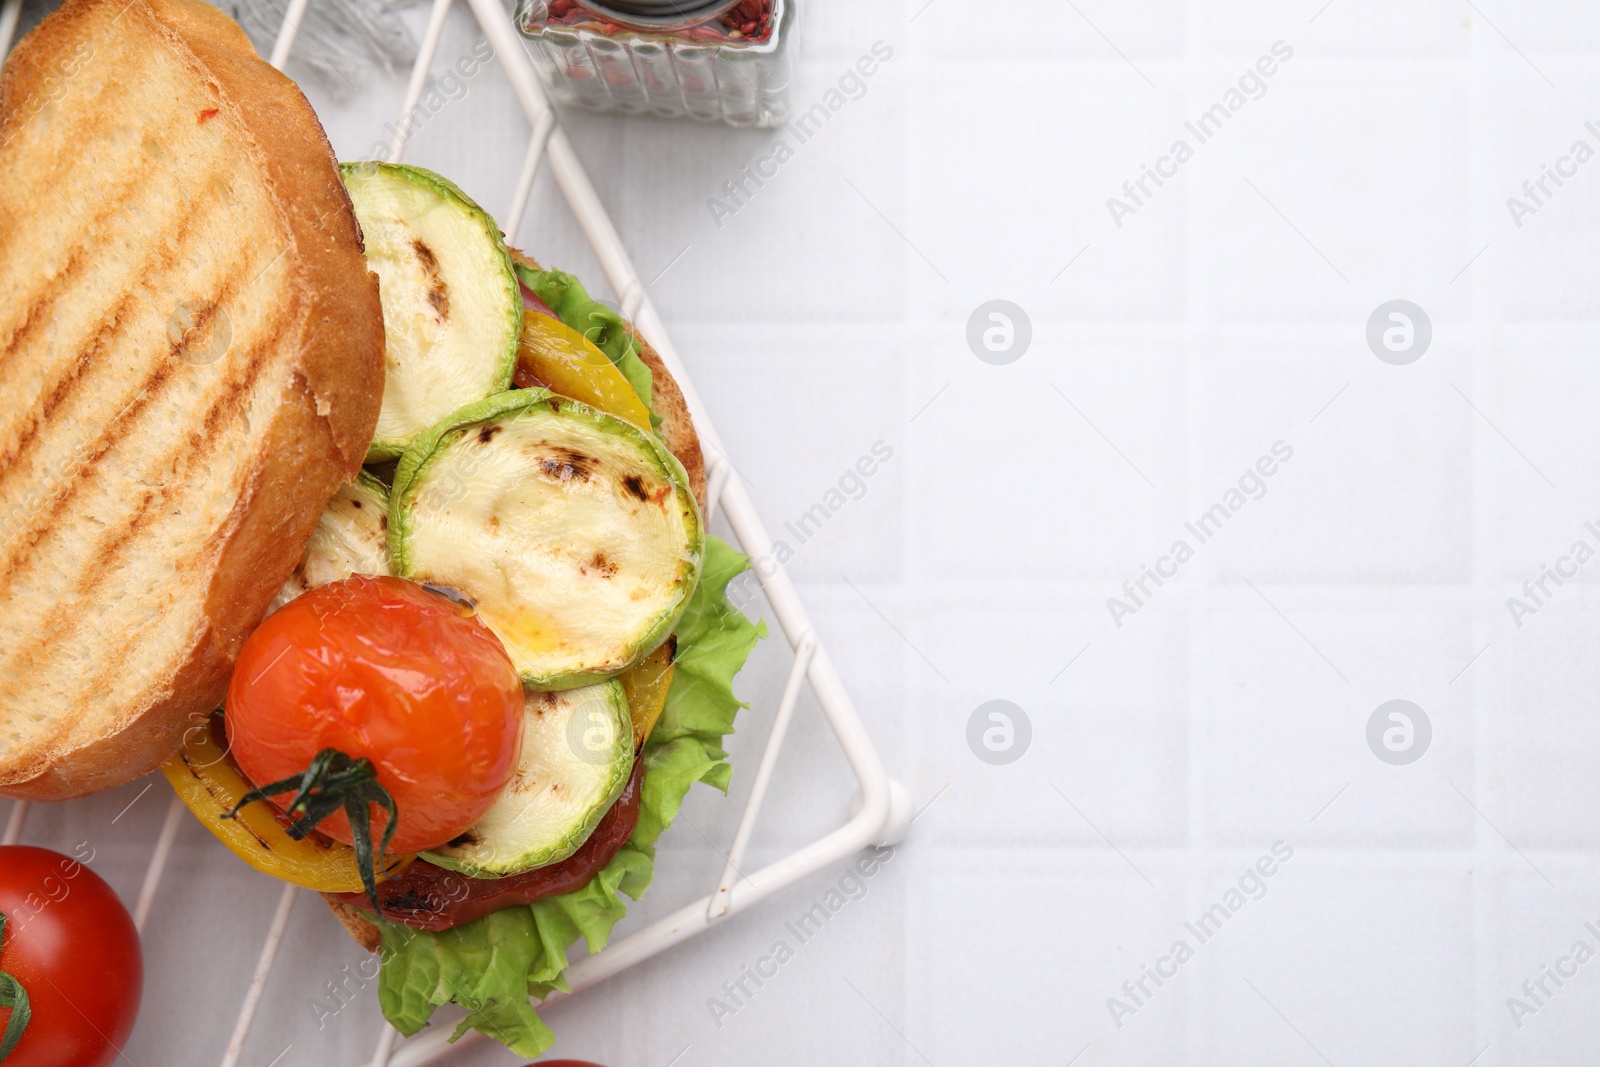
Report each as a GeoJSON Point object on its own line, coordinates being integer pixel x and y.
{"type": "Point", "coordinates": [746, 20]}
{"type": "Point", "coordinates": [718, 61]}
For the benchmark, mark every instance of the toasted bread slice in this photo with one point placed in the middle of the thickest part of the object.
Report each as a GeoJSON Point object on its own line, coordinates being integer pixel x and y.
{"type": "Point", "coordinates": [678, 434]}
{"type": "Point", "coordinates": [191, 362]}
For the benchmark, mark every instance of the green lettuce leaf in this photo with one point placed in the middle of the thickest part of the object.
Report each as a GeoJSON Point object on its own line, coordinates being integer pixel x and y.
{"type": "Point", "coordinates": [492, 965]}
{"type": "Point", "coordinates": [602, 326]}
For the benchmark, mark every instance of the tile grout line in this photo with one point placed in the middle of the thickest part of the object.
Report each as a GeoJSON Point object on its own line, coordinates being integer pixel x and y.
{"type": "Point", "coordinates": [1479, 890]}
{"type": "Point", "coordinates": [1195, 334]}
{"type": "Point", "coordinates": [912, 545]}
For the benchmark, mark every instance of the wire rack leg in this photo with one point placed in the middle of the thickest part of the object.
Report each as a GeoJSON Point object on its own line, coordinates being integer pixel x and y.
{"type": "Point", "coordinates": [288, 32]}
{"type": "Point", "coordinates": [10, 12]}
{"type": "Point", "coordinates": [258, 981]}
{"type": "Point", "coordinates": [720, 470]}
{"type": "Point", "coordinates": [380, 1057]}
{"type": "Point", "coordinates": [19, 815]}
{"type": "Point", "coordinates": [419, 78]}
{"type": "Point", "coordinates": [723, 897]}
{"type": "Point", "coordinates": [530, 170]}
{"type": "Point", "coordinates": [158, 863]}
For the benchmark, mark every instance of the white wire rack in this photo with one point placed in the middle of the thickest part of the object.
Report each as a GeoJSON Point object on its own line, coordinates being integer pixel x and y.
{"type": "Point", "coordinates": [881, 807]}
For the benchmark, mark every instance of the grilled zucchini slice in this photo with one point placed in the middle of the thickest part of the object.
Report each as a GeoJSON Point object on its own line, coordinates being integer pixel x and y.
{"type": "Point", "coordinates": [352, 537]}
{"type": "Point", "coordinates": [577, 754]}
{"type": "Point", "coordinates": [452, 310]}
{"type": "Point", "coordinates": [572, 531]}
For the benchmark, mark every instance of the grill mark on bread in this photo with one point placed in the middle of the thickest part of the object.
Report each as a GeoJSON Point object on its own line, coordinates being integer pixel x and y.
{"type": "Point", "coordinates": [81, 472]}
{"type": "Point", "coordinates": [111, 206]}
{"type": "Point", "coordinates": [83, 96]}
{"type": "Point", "coordinates": [45, 186]}
{"type": "Point", "coordinates": [46, 299]}
{"type": "Point", "coordinates": [58, 392]}
{"type": "Point", "coordinates": [31, 319]}
{"type": "Point", "coordinates": [107, 551]}
{"type": "Point", "coordinates": [101, 563]}
{"type": "Point", "coordinates": [118, 428]}
{"type": "Point", "coordinates": [163, 258]}
{"type": "Point", "coordinates": [64, 385]}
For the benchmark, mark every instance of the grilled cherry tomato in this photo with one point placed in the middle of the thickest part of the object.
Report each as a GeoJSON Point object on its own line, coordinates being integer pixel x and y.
{"type": "Point", "coordinates": [69, 945]}
{"type": "Point", "coordinates": [206, 778]}
{"type": "Point", "coordinates": [403, 687]}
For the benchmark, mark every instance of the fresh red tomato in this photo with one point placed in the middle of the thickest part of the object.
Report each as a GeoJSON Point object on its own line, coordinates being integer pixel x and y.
{"type": "Point", "coordinates": [384, 670]}
{"type": "Point", "coordinates": [72, 947]}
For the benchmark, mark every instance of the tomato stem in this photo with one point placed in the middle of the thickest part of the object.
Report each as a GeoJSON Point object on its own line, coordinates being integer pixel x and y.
{"type": "Point", "coordinates": [12, 996]}
{"type": "Point", "coordinates": [334, 781]}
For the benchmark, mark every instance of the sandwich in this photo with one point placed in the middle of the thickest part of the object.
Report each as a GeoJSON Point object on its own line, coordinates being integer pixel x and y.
{"type": "Point", "coordinates": [559, 514]}
{"type": "Point", "coordinates": [485, 649]}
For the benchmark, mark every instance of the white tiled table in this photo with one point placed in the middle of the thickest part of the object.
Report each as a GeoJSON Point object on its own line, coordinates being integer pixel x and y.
{"type": "Point", "coordinates": [1228, 714]}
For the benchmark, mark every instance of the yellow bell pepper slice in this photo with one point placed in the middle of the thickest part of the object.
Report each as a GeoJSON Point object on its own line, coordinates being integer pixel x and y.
{"type": "Point", "coordinates": [210, 784]}
{"type": "Point", "coordinates": [646, 685]}
{"type": "Point", "coordinates": [556, 356]}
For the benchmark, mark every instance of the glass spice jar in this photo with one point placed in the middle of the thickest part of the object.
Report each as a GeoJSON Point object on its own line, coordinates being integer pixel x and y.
{"type": "Point", "coordinates": [713, 60]}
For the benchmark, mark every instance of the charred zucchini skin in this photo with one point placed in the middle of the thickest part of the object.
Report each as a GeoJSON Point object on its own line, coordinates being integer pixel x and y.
{"type": "Point", "coordinates": [530, 826]}
{"type": "Point", "coordinates": [366, 182]}
{"type": "Point", "coordinates": [411, 478]}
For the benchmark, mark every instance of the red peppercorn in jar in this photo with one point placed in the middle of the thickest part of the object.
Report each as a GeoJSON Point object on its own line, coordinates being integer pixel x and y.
{"type": "Point", "coordinates": [712, 60]}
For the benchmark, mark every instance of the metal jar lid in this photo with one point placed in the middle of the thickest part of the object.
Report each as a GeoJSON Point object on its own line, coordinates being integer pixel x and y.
{"type": "Point", "coordinates": [659, 15]}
